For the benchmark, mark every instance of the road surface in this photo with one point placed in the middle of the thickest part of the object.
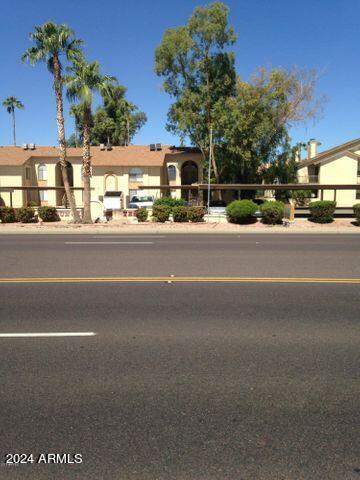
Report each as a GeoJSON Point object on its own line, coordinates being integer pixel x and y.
{"type": "Point", "coordinates": [182, 380]}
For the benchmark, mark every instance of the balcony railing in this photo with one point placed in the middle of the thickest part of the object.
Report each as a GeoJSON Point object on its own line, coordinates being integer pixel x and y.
{"type": "Point", "coordinates": [308, 179]}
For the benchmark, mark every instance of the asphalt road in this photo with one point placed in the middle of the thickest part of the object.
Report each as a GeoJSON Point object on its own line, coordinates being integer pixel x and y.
{"type": "Point", "coordinates": [191, 381]}
{"type": "Point", "coordinates": [154, 255]}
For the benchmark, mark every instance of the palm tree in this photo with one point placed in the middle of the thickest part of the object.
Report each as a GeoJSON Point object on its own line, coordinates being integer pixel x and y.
{"type": "Point", "coordinates": [10, 103]}
{"type": "Point", "coordinates": [84, 80]}
{"type": "Point", "coordinates": [76, 113]}
{"type": "Point", "coordinates": [51, 42]}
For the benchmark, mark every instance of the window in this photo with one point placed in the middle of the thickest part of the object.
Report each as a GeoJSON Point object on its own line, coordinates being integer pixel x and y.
{"type": "Point", "coordinates": [136, 175]}
{"type": "Point", "coordinates": [357, 194]}
{"type": "Point", "coordinates": [358, 169]}
{"type": "Point", "coordinates": [42, 172]}
{"type": "Point", "coordinates": [134, 193]}
{"type": "Point", "coordinates": [43, 195]}
{"type": "Point", "coordinates": [172, 172]}
{"type": "Point", "coordinates": [27, 173]}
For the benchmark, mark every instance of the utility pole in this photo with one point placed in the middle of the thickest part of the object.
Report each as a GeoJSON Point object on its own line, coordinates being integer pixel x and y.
{"type": "Point", "coordinates": [209, 177]}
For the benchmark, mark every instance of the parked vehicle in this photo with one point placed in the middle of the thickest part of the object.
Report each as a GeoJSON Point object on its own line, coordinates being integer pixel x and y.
{"type": "Point", "coordinates": [141, 201]}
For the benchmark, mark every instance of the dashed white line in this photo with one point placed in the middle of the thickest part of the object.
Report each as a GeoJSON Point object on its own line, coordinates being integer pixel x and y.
{"type": "Point", "coordinates": [109, 243]}
{"type": "Point", "coordinates": [48, 334]}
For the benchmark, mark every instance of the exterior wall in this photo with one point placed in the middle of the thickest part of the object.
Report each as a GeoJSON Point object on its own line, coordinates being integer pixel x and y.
{"type": "Point", "coordinates": [342, 170]}
{"type": "Point", "coordinates": [178, 161]}
{"type": "Point", "coordinates": [112, 178]}
{"type": "Point", "coordinates": [12, 176]}
{"type": "Point", "coordinates": [118, 178]}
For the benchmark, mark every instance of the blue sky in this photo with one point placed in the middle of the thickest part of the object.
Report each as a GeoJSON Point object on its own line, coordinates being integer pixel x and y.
{"type": "Point", "coordinates": [123, 34]}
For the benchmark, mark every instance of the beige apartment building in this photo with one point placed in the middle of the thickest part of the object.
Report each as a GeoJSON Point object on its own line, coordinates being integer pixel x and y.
{"type": "Point", "coordinates": [124, 169]}
{"type": "Point", "coordinates": [338, 165]}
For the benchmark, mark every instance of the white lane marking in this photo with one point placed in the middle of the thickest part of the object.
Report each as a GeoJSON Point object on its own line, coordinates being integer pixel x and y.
{"type": "Point", "coordinates": [109, 243]}
{"type": "Point", "coordinates": [128, 236]}
{"type": "Point", "coordinates": [49, 334]}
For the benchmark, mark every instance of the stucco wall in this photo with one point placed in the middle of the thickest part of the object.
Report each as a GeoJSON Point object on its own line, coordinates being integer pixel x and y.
{"type": "Point", "coordinates": [342, 170]}
{"type": "Point", "coordinates": [12, 177]}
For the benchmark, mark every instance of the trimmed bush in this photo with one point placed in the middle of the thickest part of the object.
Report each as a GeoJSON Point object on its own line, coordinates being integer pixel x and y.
{"type": "Point", "coordinates": [7, 215]}
{"type": "Point", "coordinates": [180, 214]}
{"type": "Point", "coordinates": [322, 211]}
{"type": "Point", "coordinates": [356, 209]}
{"type": "Point", "coordinates": [25, 215]}
{"type": "Point", "coordinates": [142, 214]}
{"type": "Point", "coordinates": [196, 214]}
{"type": "Point", "coordinates": [272, 212]}
{"type": "Point", "coordinates": [301, 197]}
{"type": "Point", "coordinates": [48, 214]}
{"type": "Point", "coordinates": [241, 211]}
{"type": "Point", "coordinates": [161, 213]}
{"type": "Point", "coordinates": [170, 202]}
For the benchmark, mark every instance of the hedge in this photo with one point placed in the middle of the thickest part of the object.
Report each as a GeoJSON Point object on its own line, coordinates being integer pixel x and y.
{"type": "Point", "coordinates": [161, 213]}
{"type": "Point", "coordinates": [25, 215]}
{"type": "Point", "coordinates": [272, 213]}
{"type": "Point", "coordinates": [322, 211]}
{"type": "Point", "coordinates": [196, 214]}
{"type": "Point", "coordinates": [48, 214]}
{"type": "Point", "coordinates": [170, 202]}
{"type": "Point", "coordinates": [142, 214]}
{"type": "Point", "coordinates": [7, 215]}
{"type": "Point", "coordinates": [180, 214]}
{"type": "Point", "coordinates": [356, 209]}
{"type": "Point", "coordinates": [241, 211]}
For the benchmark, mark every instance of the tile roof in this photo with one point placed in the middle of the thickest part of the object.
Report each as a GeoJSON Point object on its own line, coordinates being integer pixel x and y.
{"type": "Point", "coordinates": [132, 155]}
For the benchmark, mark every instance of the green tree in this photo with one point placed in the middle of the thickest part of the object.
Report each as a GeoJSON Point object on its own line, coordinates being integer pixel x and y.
{"type": "Point", "coordinates": [122, 121]}
{"type": "Point", "coordinates": [84, 80]}
{"type": "Point", "coordinates": [51, 42]}
{"type": "Point", "coordinates": [10, 103]}
{"type": "Point", "coordinates": [199, 74]}
{"type": "Point", "coordinates": [255, 122]}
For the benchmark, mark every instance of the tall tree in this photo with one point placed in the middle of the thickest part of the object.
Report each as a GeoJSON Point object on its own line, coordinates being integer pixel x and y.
{"type": "Point", "coordinates": [84, 80]}
{"type": "Point", "coordinates": [10, 103]}
{"type": "Point", "coordinates": [51, 42]}
{"type": "Point", "coordinates": [76, 111]}
{"type": "Point", "coordinates": [255, 122]}
{"type": "Point", "coordinates": [199, 74]}
{"type": "Point", "coordinates": [116, 121]}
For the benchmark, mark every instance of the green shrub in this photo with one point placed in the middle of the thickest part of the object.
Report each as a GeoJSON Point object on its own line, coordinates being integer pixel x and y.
{"type": "Point", "coordinates": [196, 214]}
{"type": "Point", "coordinates": [142, 214]}
{"type": "Point", "coordinates": [301, 197]}
{"type": "Point", "coordinates": [180, 214]}
{"type": "Point", "coordinates": [356, 209]}
{"type": "Point", "coordinates": [322, 211]}
{"type": "Point", "coordinates": [241, 211]}
{"type": "Point", "coordinates": [170, 202]}
{"type": "Point", "coordinates": [25, 215]}
{"type": "Point", "coordinates": [48, 214]}
{"type": "Point", "coordinates": [7, 215]}
{"type": "Point", "coordinates": [272, 212]}
{"type": "Point", "coordinates": [161, 213]}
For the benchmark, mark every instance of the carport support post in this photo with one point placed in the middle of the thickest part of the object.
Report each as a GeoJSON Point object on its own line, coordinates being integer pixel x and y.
{"type": "Point", "coordinates": [209, 176]}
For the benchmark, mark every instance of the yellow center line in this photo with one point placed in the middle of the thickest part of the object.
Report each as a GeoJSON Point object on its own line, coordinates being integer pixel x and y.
{"type": "Point", "coordinates": [183, 279]}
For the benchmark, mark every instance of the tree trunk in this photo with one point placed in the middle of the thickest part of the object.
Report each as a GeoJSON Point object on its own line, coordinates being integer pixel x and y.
{"type": "Point", "coordinates": [13, 125]}
{"type": "Point", "coordinates": [62, 142]}
{"type": "Point", "coordinates": [86, 166]}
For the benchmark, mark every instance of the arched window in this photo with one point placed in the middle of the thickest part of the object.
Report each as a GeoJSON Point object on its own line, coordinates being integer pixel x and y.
{"type": "Point", "coordinates": [42, 172]}
{"type": "Point", "coordinates": [136, 175]}
{"type": "Point", "coordinates": [171, 172]}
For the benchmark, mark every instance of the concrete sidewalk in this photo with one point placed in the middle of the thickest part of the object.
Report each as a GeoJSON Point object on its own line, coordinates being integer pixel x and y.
{"type": "Point", "coordinates": [343, 225]}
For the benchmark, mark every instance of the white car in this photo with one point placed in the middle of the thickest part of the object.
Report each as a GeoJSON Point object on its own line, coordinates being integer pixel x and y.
{"type": "Point", "coordinates": [138, 201]}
